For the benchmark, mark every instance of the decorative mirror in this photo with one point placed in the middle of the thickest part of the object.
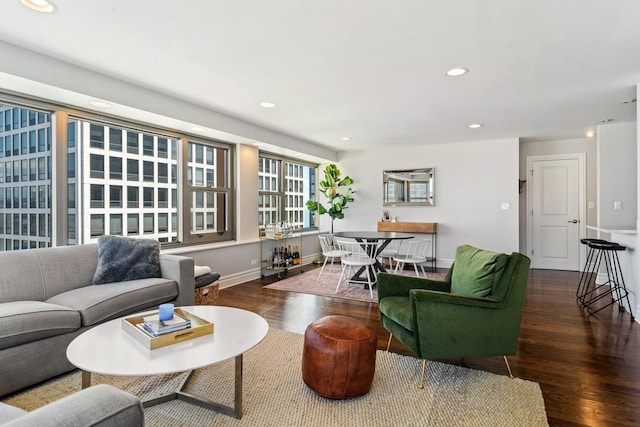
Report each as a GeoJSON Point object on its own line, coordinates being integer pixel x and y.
{"type": "Point", "coordinates": [413, 187]}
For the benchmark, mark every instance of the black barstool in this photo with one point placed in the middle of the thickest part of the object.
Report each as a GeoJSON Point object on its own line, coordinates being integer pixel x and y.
{"type": "Point", "coordinates": [588, 273]}
{"type": "Point", "coordinates": [614, 287]}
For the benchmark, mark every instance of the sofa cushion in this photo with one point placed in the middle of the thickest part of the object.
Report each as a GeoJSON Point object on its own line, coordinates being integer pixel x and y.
{"type": "Point", "coordinates": [21, 277]}
{"type": "Point", "coordinates": [123, 258]}
{"type": "Point", "coordinates": [475, 271]}
{"type": "Point", "coordinates": [64, 268]}
{"type": "Point", "coordinates": [99, 406]}
{"type": "Point", "coordinates": [98, 303]}
{"type": "Point", "coordinates": [26, 321]}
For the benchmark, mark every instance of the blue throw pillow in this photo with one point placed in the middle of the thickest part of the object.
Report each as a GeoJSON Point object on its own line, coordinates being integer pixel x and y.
{"type": "Point", "coordinates": [124, 258]}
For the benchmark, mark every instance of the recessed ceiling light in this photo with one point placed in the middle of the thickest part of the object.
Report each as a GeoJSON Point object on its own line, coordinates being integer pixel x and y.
{"type": "Point", "coordinates": [629, 101]}
{"type": "Point", "coordinates": [455, 72]}
{"type": "Point", "coordinates": [100, 104]}
{"type": "Point", "coordinates": [345, 138]}
{"type": "Point", "coordinates": [475, 125]}
{"type": "Point", "coordinates": [40, 5]}
{"type": "Point", "coordinates": [267, 104]}
{"type": "Point", "coordinates": [606, 121]}
{"type": "Point", "coordinates": [590, 134]}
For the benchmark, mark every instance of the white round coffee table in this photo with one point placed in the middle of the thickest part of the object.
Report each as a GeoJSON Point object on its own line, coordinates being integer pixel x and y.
{"type": "Point", "coordinates": [108, 349]}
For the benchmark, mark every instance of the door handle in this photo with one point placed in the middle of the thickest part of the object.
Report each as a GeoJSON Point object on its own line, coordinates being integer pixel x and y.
{"type": "Point", "coordinates": [575, 221]}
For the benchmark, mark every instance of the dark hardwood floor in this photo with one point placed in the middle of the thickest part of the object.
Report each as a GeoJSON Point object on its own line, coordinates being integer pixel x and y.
{"type": "Point", "coordinates": [588, 368]}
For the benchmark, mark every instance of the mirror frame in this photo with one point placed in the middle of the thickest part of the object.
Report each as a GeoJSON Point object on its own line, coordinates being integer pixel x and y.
{"type": "Point", "coordinates": [404, 177]}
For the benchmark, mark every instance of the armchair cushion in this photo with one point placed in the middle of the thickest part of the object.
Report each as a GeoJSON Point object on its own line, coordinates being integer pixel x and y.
{"type": "Point", "coordinates": [476, 272]}
{"type": "Point", "coordinates": [399, 310]}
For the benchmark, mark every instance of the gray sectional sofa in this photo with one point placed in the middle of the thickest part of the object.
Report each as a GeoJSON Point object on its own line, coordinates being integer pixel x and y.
{"type": "Point", "coordinates": [47, 299]}
{"type": "Point", "coordinates": [98, 406]}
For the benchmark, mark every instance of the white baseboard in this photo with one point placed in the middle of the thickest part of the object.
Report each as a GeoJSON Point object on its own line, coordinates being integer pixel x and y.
{"type": "Point", "coordinates": [239, 278]}
{"type": "Point", "coordinates": [255, 273]}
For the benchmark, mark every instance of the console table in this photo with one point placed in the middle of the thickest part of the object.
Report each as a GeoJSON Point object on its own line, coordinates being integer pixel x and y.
{"type": "Point", "coordinates": [430, 228]}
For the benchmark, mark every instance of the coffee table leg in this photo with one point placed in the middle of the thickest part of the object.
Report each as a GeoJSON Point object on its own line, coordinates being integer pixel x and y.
{"type": "Point", "coordinates": [236, 411]}
{"type": "Point", "coordinates": [238, 398]}
{"type": "Point", "coordinates": [86, 379]}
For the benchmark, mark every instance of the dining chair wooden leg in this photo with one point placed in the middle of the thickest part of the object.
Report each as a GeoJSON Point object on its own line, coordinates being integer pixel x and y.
{"type": "Point", "coordinates": [389, 342]}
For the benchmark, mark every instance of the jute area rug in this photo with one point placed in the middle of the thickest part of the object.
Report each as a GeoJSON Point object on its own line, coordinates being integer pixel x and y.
{"type": "Point", "coordinates": [275, 395]}
{"type": "Point", "coordinates": [311, 282]}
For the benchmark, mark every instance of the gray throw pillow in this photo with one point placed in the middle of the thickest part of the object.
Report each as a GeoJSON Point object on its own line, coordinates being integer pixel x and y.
{"type": "Point", "coordinates": [124, 258]}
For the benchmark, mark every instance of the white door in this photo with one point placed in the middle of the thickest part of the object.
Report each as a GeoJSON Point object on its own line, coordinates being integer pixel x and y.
{"type": "Point", "coordinates": [555, 211]}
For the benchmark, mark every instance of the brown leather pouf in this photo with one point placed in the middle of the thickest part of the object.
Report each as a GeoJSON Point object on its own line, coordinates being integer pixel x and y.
{"type": "Point", "coordinates": [339, 357]}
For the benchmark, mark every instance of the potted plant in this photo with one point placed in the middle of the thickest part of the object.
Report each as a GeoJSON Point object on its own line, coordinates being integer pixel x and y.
{"type": "Point", "coordinates": [330, 187]}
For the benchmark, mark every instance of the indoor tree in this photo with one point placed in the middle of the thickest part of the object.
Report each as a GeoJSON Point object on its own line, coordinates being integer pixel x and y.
{"type": "Point", "coordinates": [330, 186]}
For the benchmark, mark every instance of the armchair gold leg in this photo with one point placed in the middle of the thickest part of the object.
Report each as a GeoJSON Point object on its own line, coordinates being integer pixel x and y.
{"type": "Point", "coordinates": [424, 368]}
{"type": "Point", "coordinates": [389, 343]}
{"type": "Point", "coordinates": [508, 367]}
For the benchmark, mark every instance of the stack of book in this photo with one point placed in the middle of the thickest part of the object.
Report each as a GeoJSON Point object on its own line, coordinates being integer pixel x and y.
{"type": "Point", "coordinates": [156, 327]}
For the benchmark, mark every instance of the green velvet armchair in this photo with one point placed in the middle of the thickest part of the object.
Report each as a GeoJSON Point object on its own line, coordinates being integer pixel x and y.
{"type": "Point", "coordinates": [474, 311]}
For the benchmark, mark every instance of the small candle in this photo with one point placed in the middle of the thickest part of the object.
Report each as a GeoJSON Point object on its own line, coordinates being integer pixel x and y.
{"type": "Point", "coordinates": [165, 312]}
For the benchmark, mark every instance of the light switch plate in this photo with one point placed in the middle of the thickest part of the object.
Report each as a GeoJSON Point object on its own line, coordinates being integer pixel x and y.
{"type": "Point", "coordinates": [505, 206]}
{"type": "Point", "coordinates": [617, 205]}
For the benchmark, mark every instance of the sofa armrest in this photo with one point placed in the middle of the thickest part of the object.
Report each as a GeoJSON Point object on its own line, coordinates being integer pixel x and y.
{"type": "Point", "coordinates": [399, 286]}
{"type": "Point", "coordinates": [180, 269]}
{"type": "Point", "coordinates": [100, 406]}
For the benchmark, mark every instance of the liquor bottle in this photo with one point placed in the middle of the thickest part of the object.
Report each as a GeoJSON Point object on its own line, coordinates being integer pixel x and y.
{"type": "Point", "coordinates": [290, 257]}
{"type": "Point", "coordinates": [296, 257]}
{"type": "Point", "coordinates": [275, 260]}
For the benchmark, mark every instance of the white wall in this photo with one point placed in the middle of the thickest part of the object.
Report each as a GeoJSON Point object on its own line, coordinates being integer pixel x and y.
{"type": "Point", "coordinates": [30, 73]}
{"type": "Point", "coordinates": [617, 181]}
{"type": "Point", "coordinates": [568, 146]}
{"type": "Point", "coordinates": [472, 180]}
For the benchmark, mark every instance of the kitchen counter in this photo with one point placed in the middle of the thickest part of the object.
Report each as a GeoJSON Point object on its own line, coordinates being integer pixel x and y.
{"type": "Point", "coordinates": [614, 229]}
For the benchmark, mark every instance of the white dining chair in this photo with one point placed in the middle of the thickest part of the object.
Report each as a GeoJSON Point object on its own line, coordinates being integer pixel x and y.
{"type": "Point", "coordinates": [356, 255]}
{"type": "Point", "coordinates": [391, 250]}
{"type": "Point", "coordinates": [329, 251]}
{"type": "Point", "coordinates": [417, 253]}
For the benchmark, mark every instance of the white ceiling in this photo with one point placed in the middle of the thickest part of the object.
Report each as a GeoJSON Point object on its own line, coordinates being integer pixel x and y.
{"type": "Point", "coordinates": [370, 70]}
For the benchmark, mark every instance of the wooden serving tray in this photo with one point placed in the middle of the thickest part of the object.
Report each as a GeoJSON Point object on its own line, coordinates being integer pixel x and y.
{"type": "Point", "coordinates": [199, 327]}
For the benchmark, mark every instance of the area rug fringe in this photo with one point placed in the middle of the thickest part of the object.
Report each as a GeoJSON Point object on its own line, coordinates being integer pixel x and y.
{"type": "Point", "coordinates": [275, 395]}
